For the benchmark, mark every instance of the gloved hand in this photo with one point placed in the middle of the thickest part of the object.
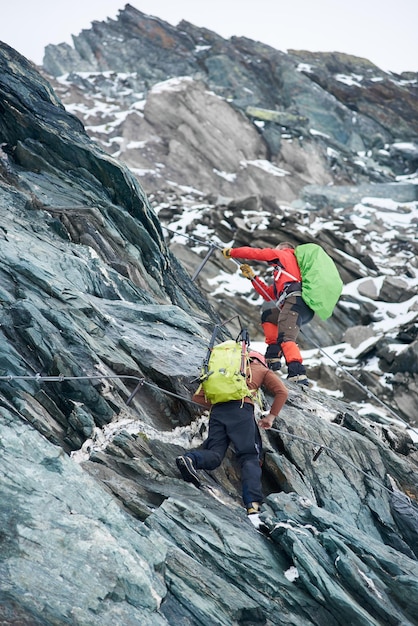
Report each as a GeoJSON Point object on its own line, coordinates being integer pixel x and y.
{"type": "Point", "coordinates": [227, 253]}
{"type": "Point", "coordinates": [246, 271]}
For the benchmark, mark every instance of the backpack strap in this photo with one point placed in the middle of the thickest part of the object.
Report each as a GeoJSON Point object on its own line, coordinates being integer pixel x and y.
{"type": "Point", "coordinates": [205, 365]}
{"type": "Point", "coordinates": [278, 271]}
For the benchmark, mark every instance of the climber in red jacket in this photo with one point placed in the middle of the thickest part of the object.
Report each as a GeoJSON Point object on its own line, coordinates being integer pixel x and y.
{"type": "Point", "coordinates": [284, 311]}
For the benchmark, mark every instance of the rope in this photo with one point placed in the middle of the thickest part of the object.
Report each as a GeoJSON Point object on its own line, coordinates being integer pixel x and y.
{"type": "Point", "coordinates": [369, 393]}
{"type": "Point", "coordinates": [219, 247]}
{"type": "Point", "coordinates": [61, 378]}
{"type": "Point", "coordinates": [342, 456]}
{"type": "Point", "coordinates": [142, 381]}
{"type": "Point", "coordinates": [204, 243]}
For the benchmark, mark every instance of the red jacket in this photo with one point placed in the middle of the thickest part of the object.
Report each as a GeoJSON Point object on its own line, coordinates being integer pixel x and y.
{"type": "Point", "coordinates": [284, 259]}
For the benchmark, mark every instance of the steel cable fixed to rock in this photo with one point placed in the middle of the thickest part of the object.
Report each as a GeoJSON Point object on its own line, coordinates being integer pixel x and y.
{"type": "Point", "coordinates": [141, 381]}
{"type": "Point", "coordinates": [322, 447]}
{"type": "Point", "coordinates": [61, 378]}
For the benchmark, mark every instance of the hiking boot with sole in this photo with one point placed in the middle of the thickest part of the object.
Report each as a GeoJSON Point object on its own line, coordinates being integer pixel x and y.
{"type": "Point", "coordinates": [274, 364]}
{"type": "Point", "coordinates": [187, 470]}
{"type": "Point", "coordinates": [253, 507]}
{"type": "Point", "coordinates": [300, 379]}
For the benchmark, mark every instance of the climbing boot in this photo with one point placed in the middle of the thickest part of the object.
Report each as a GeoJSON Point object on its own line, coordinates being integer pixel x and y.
{"type": "Point", "coordinates": [296, 373]}
{"type": "Point", "coordinates": [253, 508]}
{"type": "Point", "coordinates": [274, 364]}
{"type": "Point", "coordinates": [300, 379]}
{"type": "Point", "coordinates": [188, 470]}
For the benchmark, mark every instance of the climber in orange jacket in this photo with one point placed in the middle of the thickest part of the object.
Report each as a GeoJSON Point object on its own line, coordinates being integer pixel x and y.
{"type": "Point", "coordinates": [284, 311]}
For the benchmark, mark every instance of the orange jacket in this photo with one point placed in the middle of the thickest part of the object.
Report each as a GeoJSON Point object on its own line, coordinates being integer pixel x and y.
{"type": "Point", "coordinates": [259, 376]}
{"type": "Point", "coordinates": [284, 259]}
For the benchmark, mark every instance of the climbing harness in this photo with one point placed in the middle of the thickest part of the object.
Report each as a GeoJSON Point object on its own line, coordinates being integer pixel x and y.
{"type": "Point", "coordinates": [286, 293]}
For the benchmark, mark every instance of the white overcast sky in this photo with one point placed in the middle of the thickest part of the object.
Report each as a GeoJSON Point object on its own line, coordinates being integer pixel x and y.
{"type": "Point", "coordinates": [383, 31]}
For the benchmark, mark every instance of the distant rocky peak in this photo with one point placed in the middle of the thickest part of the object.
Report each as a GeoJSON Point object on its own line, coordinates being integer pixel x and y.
{"type": "Point", "coordinates": [342, 96]}
{"type": "Point", "coordinates": [117, 44]}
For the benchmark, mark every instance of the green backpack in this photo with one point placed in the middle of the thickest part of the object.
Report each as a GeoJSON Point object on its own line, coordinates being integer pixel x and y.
{"type": "Point", "coordinates": [223, 376]}
{"type": "Point", "coordinates": [321, 282]}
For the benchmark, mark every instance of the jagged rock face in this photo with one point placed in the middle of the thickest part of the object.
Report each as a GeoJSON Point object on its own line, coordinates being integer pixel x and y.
{"type": "Point", "coordinates": [78, 229]}
{"type": "Point", "coordinates": [251, 147]}
{"type": "Point", "coordinates": [322, 118]}
{"type": "Point", "coordinates": [110, 534]}
{"type": "Point", "coordinates": [246, 72]}
{"type": "Point", "coordinates": [370, 96]}
{"type": "Point", "coordinates": [185, 134]}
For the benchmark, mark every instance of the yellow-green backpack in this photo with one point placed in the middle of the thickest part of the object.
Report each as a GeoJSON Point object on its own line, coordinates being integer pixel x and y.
{"type": "Point", "coordinates": [223, 377]}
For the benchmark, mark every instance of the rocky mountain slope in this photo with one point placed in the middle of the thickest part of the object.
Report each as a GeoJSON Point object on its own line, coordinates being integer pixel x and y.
{"type": "Point", "coordinates": [102, 336]}
{"type": "Point", "coordinates": [236, 143]}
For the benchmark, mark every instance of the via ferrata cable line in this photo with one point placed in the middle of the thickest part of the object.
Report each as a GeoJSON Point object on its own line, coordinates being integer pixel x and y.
{"type": "Point", "coordinates": [321, 447]}
{"type": "Point", "coordinates": [60, 378]}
